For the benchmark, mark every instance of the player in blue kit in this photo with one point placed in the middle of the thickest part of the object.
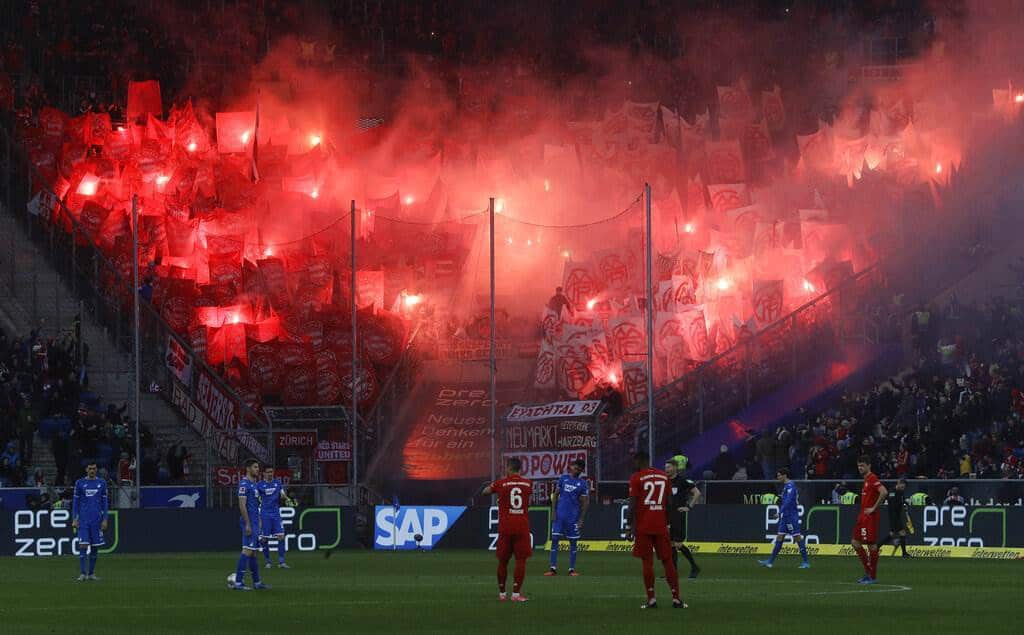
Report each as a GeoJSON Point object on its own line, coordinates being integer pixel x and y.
{"type": "Point", "coordinates": [249, 508]}
{"type": "Point", "coordinates": [271, 492]}
{"type": "Point", "coordinates": [89, 516]}
{"type": "Point", "coordinates": [570, 501]}
{"type": "Point", "coordinates": [789, 521]}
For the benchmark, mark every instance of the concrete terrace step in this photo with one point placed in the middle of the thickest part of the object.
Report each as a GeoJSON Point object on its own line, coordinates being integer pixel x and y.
{"type": "Point", "coordinates": [41, 298]}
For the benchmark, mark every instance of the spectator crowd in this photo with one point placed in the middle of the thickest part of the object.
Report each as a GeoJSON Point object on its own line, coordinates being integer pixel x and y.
{"type": "Point", "coordinates": [955, 413]}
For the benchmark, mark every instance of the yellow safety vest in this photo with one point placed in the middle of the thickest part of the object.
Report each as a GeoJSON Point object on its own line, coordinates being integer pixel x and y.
{"type": "Point", "coordinates": [849, 498]}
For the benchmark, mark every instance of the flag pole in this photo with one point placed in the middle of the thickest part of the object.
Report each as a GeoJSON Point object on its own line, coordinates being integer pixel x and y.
{"type": "Point", "coordinates": [650, 325]}
{"type": "Point", "coordinates": [355, 356]}
{"type": "Point", "coordinates": [493, 365]}
{"type": "Point", "coordinates": [138, 353]}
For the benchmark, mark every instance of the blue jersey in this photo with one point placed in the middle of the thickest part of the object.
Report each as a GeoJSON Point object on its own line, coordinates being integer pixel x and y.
{"type": "Point", "coordinates": [90, 503]}
{"type": "Point", "coordinates": [788, 507]}
{"type": "Point", "coordinates": [270, 497]}
{"type": "Point", "coordinates": [248, 489]}
{"type": "Point", "coordinates": [570, 491]}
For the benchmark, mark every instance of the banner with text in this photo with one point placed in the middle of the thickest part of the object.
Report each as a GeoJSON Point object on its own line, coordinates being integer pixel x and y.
{"type": "Point", "coordinates": [558, 409]}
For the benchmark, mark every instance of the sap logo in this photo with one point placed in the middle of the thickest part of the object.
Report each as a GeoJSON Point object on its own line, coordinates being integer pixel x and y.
{"type": "Point", "coordinates": [185, 500]}
{"type": "Point", "coordinates": [399, 531]}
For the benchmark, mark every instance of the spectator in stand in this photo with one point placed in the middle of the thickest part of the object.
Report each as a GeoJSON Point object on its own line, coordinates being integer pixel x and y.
{"type": "Point", "coordinates": [560, 301]}
{"type": "Point", "coordinates": [11, 468]}
{"type": "Point", "coordinates": [725, 465]}
{"type": "Point", "coordinates": [953, 498]}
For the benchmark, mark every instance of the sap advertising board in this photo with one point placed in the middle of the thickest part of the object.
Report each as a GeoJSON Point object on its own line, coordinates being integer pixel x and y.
{"type": "Point", "coordinates": [399, 527]}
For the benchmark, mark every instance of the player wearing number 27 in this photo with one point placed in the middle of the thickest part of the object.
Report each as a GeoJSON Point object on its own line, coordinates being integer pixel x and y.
{"type": "Point", "coordinates": [649, 495]}
{"type": "Point", "coordinates": [514, 537]}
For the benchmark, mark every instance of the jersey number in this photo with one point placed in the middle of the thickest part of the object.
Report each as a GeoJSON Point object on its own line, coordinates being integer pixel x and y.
{"type": "Point", "coordinates": [515, 498]}
{"type": "Point", "coordinates": [649, 489]}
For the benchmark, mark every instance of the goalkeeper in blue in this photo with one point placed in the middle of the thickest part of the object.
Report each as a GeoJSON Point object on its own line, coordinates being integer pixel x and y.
{"type": "Point", "coordinates": [570, 501]}
{"type": "Point", "coordinates": [272, 495]}
{"type": "Point", "coordinates": [249, 509]}
{"type": "Point", "coordinates": [789, 521]}
{"type": "Point", "coordinates": [89, 516]}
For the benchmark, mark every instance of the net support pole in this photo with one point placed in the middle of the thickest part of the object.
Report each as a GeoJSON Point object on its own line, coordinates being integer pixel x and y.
{"type": "Point", "coordinates": [493, 368]}
{"type": "Point", "coordinates": [650, 323]}
{"type": "Point", "coordinates": [355, 356]}
{"type": "Point", "coordinates": [136, 390]}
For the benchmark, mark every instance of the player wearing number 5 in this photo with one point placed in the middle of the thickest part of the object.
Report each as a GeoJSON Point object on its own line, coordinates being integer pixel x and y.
{"type": "Point", "coordinates": [649, 496]}
{"type": "Point", "coordinates": [513, 526]}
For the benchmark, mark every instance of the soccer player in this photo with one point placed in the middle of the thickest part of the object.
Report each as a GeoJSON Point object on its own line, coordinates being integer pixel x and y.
{"type": "Point", "coordinates": [649, 498]}
{"type": "Point", "coordinates": [570, 501]}
{"type": "Point", "coordinates": [865, 532]}
{"type": "Point", "coordinates": [789, 521]}
{"type": "Point", "coordinates": [89, 516]}
{"type": "Point", "coordinates": [272, 494]}
{"type": "Point", "coordinates": [249, 508]}
{"type": "Point", "coordinates": [513, 526]}
{"type": "Point", "coordinates": [684, 496]}
{"type": "Point", "coordinates": [899, 521]}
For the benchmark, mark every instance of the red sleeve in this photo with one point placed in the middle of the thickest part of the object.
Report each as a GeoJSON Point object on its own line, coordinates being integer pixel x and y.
{"type": "Point", "coordinates": [634, 485]}
{"type": "Point", "coordinates": [496, 484]}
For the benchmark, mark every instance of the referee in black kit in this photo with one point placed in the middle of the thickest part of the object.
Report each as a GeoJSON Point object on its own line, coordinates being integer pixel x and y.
{"type": "Point", "coordinates": [684, 495]}
{"type": "Point", "coordinates": [899, 520]}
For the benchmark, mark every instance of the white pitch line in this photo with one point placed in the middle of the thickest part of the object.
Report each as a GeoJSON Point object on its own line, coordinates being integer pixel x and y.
{"type": "Point", "coordinates": [893, 588]}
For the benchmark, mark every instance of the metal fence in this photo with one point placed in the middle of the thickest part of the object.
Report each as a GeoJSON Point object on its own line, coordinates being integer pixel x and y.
{"type": "Point", "coordinates": [102, 288]}
{"type": "Point", "coordinates": [754, 367]}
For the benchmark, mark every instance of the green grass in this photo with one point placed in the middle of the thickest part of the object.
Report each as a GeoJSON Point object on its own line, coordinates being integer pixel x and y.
{"type": "Point", "coordinates": [454, 591]}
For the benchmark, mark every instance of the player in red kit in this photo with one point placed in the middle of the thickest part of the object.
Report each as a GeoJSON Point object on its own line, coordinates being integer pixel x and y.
{"type": "Point", "coordinates": [865, 532]}
{"type": "Point", "coordinates": [650, 491]}
{"type": "Point", "coordinates": [513, 526]}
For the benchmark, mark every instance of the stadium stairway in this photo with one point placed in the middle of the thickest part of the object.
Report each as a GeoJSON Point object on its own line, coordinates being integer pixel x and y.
{"type": "Point", "coordinates": [28, 281]}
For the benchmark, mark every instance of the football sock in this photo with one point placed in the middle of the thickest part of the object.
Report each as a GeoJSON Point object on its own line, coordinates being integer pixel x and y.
{"type": "Point", "coordinates": [554, 552]}
{"type": "Point", "coordinates": [672, 575]}
{"type": "Point", "coordinates": [689, 558]}
{"type": "Point", "coordinates": [675, 557]}
{"type": "Point", "coordinates": [903, 544]}
{"type": "Point", "coordinates": [243, 561]}
{"type": "Point", "coordinates": [502, 574]}
{"type": "Point", "coordinates": [649, 578]}
{"type": "Point", "coordinates": [776, 548]}
{"type": "Point", "coordinates": [874, 563]}
{"type": "Point", "coordinates": [280, 551]}
{"type": "Point", "coordinates": [93, 555]}
{"type": "Point", "coordinates": [572, 554]}
{"type": "Point", "coordinates": [803, 549]}
{"type": "Point", "coordinates": [83, 554]}
{"type": "Point", "coordinates": [518, 575]}
{"type": "Point", "coordinates": [266, 552]}
{"type": "Point", "coordinates": [254, 568]}
{"type": "Point", "coordinates": [863, 555]}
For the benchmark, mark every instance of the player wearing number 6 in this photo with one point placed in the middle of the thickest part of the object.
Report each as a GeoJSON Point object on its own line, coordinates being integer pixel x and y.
{"type": "Point", "coordinates": [513, 526]}
{"type": "Point", "coordinates": [649, 495]}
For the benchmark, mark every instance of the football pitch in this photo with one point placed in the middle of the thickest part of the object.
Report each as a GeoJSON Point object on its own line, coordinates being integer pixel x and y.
{"type": "Point", "coordinates": [454, 591]}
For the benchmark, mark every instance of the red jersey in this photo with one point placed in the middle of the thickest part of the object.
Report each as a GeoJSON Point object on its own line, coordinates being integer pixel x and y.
{"type": "Point", "coordinates": [869, 495]}
{"type": "Point", "coordinates": [513, 504]}
{"type": "Point", "coordinates": [652, 490]}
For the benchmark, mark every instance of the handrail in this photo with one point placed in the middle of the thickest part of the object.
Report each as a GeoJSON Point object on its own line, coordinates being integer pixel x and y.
{"type": "Point", "coordinates": [667, 388]}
